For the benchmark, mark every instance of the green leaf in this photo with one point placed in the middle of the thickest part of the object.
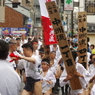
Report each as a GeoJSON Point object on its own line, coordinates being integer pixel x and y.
{"type": "Point", "coordinates": [69, 1]}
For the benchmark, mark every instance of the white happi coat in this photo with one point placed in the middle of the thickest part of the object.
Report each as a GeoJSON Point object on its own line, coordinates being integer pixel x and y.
{"type": "Point", "coordinates": [91, 70]}
{"type": "Point", "coordinates": [31, 70]}
{"type": "Point", "coordinates": [49, 77]}
{"type": "Point", "coordinates": [9, 80]}
{"type": "Point", "coordinates": [58, 53]}
{"type": "Point", "coordinates": [83, 81]}
{"type": "Point", "coordinates": [54, 67]}
{"type": "Point", "coordinates": [93, 90]}
{"type": "Point", "coordinates": [12, 64]}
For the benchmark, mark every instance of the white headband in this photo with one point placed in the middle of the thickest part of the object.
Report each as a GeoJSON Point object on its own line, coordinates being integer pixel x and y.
{"type": "Point", "coordinates": [45, 62]}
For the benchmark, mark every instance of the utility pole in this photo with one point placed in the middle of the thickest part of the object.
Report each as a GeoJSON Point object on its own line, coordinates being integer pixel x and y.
{"type": "Point", "coordinates": [67, 23]}
{"type": "Point", "coordinates": [72, 25]}
{"type": "Point", "coordinates": [59, 2]}
{"type": "Point", "coordinates": [32, 13]}
{"type": "Point", "coordinates": [2, 11]}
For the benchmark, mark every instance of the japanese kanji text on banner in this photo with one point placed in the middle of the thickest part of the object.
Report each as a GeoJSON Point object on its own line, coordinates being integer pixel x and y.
{"type": "Point", "coordinates": [48, 32]}
{"type": "Point", "coordinates": [63, 44]}
{"type": "Point", "coordinates": [82, 38]}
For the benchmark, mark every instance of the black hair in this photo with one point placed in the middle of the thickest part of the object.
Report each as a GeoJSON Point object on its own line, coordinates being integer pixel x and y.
{"type": "Point", "coordinates": [39, 38]}
{"type": "Point", "coordinates": [92, 45]}
{"type": "Point", "coordinates": [91, 56]}
{"type": "Point", "coordinates": [46, 60]}
{"type": "Point", "coordinates": [87, 45]}
{"type": "Point", "coordinates": [28, 46]}
{"type": "Point", "coordinates": [88, 39]}
{"type": "Point", "coordinates": [75, 44]}
{"type": "Point", "coordinates": [41, 50]}
{"type": "Point", "coordinates": [74, 54]}
{"type": "Point", "coordinates": [12, 41]}
{"type": "Point", "coordinates": [4, 49]}
{"type": "Point", "coordinates": [91, 62]}
{"type": "Point", "coordinates": [52, 52]}
{"type": "Point", "coordinates": [29, 40]}
{"type": "Point", "coordinates": [34, 40]}
{"type": "Point", "coordinates": [18, 39]}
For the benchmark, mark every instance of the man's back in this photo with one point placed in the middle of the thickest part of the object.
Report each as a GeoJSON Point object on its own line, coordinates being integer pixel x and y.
{"type": "Point", "coordinates": [9, 79]}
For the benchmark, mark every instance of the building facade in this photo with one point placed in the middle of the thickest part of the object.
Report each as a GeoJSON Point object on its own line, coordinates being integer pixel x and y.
{"type": "Point", "coordinates": [12, 19]}
{"type": "Point", "coordinates": [89, 7]}
{"type": "Point", "coordinates": [37, 19]}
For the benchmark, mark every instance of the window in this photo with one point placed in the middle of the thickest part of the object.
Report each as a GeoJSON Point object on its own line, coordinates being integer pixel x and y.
{"type": "Point", "coordinates": [3, 2]}
{"type": "Point", "coordinates": [38, 20]}
{"type": "Point", "coordinates": [27, 1]}
{"type": "Point", "coordinates": [90, 28]}
{"type": "Point", "coordinates": [38, 8]}
{"type": "Point", "coordinates": [62, 1]}
{"type": "Point", "coordinates": [90, 7]}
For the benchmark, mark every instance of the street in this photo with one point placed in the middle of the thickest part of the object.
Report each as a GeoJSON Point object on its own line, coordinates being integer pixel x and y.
{"type": "Point", "coordinates": [60, 93]}
{"type": "Point", "coordinates": [22, 86]}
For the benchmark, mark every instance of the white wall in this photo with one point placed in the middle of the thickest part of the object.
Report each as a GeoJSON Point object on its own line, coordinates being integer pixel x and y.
{"type": "Point", "coordinates": [81, 5]}
{"type": "Point", "coordinates": [92, 38]}
{"type": "Point", "coordinates": [91, 18]}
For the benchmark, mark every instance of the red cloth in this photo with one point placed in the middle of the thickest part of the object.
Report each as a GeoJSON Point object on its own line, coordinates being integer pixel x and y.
{"type": "Point", "coordinates": [13, 55]}
{"type": "Point", "coordinates": [48, 31]}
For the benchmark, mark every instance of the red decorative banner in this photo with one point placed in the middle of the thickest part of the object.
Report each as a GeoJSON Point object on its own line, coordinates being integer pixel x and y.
{"type": "Point", "coordinates": [49, 36]}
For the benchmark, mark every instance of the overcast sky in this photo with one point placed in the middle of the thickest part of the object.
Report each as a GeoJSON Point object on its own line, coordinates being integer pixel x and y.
{"type": "Point", "coordinates": [76, 8]}
{"type": "Point", "coordinates": [76, 0]}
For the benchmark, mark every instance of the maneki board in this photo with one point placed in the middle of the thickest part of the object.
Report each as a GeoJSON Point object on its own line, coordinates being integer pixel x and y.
{"type": "Point", "coordinates": [82, 38]}
{"type": "Point", "coordinates": [63, 44]}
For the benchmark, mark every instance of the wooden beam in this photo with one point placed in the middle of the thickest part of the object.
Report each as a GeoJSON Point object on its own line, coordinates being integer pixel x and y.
{"type": "Point", "coordinates": [63, 44]}
{"type": "Point", "coordinates": [82, 38]}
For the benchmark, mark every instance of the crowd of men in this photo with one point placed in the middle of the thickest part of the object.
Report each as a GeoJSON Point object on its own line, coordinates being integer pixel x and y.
{"type": "Point", "coordinates": [42, 76]}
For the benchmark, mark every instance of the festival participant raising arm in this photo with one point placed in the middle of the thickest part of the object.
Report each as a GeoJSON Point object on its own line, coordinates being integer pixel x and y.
{"type": "Point", "coordinates": [33, 77]}
{"type": "Point", "coordinates": [81, 72]}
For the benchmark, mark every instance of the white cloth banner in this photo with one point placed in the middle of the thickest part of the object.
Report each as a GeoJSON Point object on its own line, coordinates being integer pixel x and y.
{"type": "Point", "coordinates": [49, 37]}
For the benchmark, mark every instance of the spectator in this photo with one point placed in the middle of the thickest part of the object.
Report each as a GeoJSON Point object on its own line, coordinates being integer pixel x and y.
{"type": "Point", "coordinates": [92, 49]}
{"type": "Point", "coordinates": [75, 40]}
